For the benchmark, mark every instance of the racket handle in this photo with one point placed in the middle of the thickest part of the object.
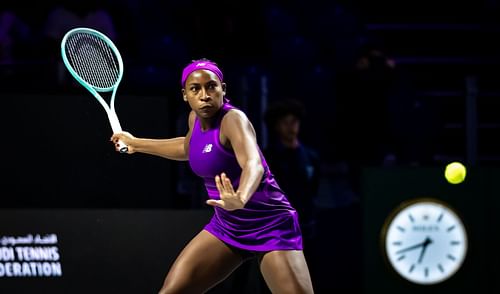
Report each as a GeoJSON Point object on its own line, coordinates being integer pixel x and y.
{"type": "Point", "coordinates": [115, 125]}
{"type": "Point", "coordinates": [122, 147]}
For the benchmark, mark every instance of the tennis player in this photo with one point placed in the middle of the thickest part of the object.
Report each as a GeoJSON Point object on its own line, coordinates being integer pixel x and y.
{"type": "Point", "coordinates": [252, 216]}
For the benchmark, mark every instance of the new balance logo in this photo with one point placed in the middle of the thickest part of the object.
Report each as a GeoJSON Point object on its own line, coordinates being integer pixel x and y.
{"type": "Point", "coordinates": [207, 148]}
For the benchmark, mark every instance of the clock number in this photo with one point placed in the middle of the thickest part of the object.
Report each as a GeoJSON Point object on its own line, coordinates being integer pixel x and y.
{"type": "Point", "coordinates": [440, 217]}
{"type": "Point", "coordinates": [411, 218]}
{"type": "Point", "coordinates": [412, 268]}
{"type": "Point", "coordinates": [440, 267]}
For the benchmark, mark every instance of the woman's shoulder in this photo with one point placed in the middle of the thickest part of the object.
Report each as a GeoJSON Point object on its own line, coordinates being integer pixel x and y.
{"type": "Point", "coordinates": [233, 114]}
{"type": "Point", "coordinates": [235, 120]}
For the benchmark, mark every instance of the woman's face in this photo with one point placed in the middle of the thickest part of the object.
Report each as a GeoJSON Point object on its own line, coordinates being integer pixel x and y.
{"type": "Point", "coordinates": [204, 92]}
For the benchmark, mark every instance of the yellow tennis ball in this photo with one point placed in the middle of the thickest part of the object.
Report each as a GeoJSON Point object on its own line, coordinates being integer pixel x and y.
{"type": "Point", "coordinates": [455, 173]}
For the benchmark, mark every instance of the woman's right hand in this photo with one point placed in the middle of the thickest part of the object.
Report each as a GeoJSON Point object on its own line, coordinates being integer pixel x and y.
{"type": "Point", "coordinates": [126, 138]}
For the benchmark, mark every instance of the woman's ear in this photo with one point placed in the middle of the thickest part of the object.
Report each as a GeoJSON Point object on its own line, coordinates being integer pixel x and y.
{"type": "Point", "coordinates": [184, 97]}
{"type": "Point", "coordinates": [223, 89]}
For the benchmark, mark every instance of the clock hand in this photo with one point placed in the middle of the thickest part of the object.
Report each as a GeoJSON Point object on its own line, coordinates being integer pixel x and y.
{"type": "Point", "coordinates": [411, 247]}
{"type": "Point", "coordinates": [424, 247]}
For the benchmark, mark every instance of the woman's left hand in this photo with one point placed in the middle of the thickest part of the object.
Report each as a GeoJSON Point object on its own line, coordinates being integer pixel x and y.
{"type": "Point", "coordinates": [229, 199]}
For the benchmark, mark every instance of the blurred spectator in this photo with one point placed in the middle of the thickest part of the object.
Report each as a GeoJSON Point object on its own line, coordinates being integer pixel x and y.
{"type": "Point", "coordinates": [67, 15]}
{"type": "Point", "coordinates": [71, 14]}
{"type": "Point", "coordinates": [380, 121]}
{"type": "Point", "coordinates": [362, 118]}
{"type": "Point", "coordinates": [15, 39]}
{"type": "Point", "coordinates": [336, 29]}
{"type": "Point", "coordinates": [13, 33]}
{"type": "Point", "coordinates": [294, 164]}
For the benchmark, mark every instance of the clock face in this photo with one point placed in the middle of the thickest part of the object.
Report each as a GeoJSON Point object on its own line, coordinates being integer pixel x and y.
{"type": "Point", "coordinates": [425, 241]}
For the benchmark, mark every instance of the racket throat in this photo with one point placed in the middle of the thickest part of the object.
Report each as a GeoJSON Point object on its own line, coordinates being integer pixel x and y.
{"type": "Point", "coordinates": [115, 123]}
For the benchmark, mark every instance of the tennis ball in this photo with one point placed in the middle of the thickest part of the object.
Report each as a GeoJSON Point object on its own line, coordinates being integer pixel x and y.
{"type": "Point", "coordinates": [455, 173]}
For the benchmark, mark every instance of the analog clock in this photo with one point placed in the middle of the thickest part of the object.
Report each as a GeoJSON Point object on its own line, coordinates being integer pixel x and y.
{"type": "Point", "coordinates": [424, 241]}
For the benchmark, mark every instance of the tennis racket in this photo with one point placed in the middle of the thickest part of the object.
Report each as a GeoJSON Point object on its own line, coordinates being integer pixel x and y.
{"type": "Point", "coordinates": [95, 62]}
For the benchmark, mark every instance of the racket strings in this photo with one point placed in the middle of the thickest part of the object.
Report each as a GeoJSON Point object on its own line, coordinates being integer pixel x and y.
{"type": "Point", "coordinates": [93, 60]}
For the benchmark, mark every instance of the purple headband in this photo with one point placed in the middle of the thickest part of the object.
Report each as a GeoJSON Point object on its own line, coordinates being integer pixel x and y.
{"type": "Point", "coordinates": [200, 64]}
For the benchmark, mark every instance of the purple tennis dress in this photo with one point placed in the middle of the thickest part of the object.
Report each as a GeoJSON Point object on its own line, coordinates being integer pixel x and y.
{"type": "Point", "coordinates": [267, 222]}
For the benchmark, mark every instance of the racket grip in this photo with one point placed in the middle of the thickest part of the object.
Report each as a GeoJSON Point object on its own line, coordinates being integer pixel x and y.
{"type": "Point", "coordinates": [122, 147]}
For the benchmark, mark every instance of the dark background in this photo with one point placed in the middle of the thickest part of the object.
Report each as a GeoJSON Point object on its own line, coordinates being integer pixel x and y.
{"type": "Point", "coordinates": [439, 102]}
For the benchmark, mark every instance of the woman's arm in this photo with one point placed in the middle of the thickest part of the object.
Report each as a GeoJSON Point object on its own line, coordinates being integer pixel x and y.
{"type": "Point", "coordinates": [237, 130]}
{"type": "Point", "coordinates": [174, 148]}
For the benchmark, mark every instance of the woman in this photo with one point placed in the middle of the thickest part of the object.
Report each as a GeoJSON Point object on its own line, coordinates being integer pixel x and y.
{"type": "Point", "coordinates": [253, 218]}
